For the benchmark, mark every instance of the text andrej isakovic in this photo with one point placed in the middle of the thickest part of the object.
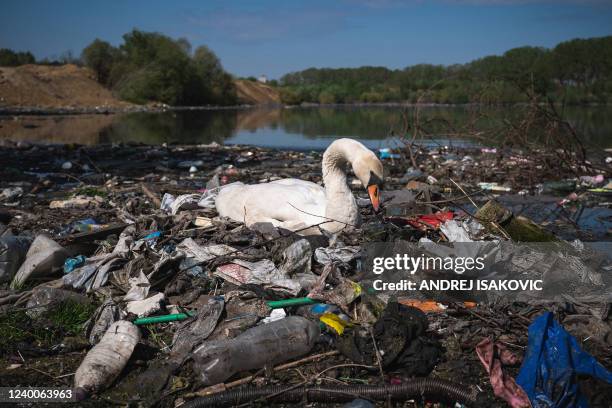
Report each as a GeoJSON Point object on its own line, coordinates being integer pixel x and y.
{"type": "Point", "coordinates": [404, 263]}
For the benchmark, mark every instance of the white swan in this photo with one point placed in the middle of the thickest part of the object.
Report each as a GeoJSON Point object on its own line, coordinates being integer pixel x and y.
{"type": "Point", "coordinates": [296, 204]}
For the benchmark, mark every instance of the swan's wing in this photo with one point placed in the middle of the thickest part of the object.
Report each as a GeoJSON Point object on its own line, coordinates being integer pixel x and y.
{"type": "Point", "coordinates": [296, 182]}
{"type": "Point", "coordinates": [281, 200]}
{"type": "Point", "coordinates": [302, 191]}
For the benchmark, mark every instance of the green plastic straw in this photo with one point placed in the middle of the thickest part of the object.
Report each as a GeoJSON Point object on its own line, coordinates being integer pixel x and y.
{"type": "Point", "coordinates": [279, 304]}
{"type": "Point", "coordinates": [272, 304]}
{"type": "Point", "coordinates": [163, 319]}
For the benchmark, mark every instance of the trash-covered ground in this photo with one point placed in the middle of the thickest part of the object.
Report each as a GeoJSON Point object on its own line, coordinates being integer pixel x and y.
{"type": "Point", "coordinates": [119, 279]}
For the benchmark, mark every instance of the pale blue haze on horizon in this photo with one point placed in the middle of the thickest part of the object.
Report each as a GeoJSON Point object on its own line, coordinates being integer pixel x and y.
{"type": "Point", "coordinates": [276, 37]}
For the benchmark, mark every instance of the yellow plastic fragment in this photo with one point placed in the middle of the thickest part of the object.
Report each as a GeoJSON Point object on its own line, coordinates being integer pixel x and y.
{"type": "Point", "coordinates": [333, 321]}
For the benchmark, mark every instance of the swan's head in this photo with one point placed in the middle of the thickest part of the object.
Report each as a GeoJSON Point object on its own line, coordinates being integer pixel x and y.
{"type": "Point", "coordinates": [369, 170]}
{"type": "Point", "coordinates": [366, 166]}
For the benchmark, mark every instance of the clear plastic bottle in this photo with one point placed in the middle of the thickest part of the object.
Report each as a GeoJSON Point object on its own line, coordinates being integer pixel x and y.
{"type": "Point", "coordinates": [267, 344]}
{"type": "Point", "coordinates": [13, 251]}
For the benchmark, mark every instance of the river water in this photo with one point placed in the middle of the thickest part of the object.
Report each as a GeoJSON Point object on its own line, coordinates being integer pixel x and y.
{"type": "Point", "coordinates": [295, 128]}
{"type": "Point", "coordinates": [307, 128]}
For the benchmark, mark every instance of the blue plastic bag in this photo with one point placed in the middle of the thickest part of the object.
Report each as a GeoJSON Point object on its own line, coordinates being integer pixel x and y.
{"type": "Point", "coordinates": [387, 154]}
{"type": "Point", "coordinates": [152, 237]}
{"type": "Point", "coordinates": [553, 361]}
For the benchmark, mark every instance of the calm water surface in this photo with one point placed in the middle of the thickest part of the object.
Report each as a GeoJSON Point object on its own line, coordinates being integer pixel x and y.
{"type": "Point", "coordinates": [315, 128]}
{"type": "Point", "coordinates": [296, 128]}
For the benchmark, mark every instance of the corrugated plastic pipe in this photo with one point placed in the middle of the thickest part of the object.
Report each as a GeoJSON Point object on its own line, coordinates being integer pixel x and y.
{"type": "Point", "coordinates": [429, 389]}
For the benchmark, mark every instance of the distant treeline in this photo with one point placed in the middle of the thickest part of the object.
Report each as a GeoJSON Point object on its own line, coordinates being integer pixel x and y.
{"type": "Point", "coordinates": [154, 67]}
{"type": "Point", "coordinates": [577, 71]}
{"type": "Point", "coordinates": [10, 58]}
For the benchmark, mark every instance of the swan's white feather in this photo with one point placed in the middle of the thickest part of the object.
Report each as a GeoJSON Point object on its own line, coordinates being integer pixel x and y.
{"type": "Point", "coordinates": [297, 204]}
{"type": "Point", "coordinates": [297, 201]}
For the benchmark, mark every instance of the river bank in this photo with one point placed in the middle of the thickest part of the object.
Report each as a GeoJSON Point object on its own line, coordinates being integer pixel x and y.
{"type": "Point", "coordinates": [156, 108]}
{"type": "Point", "coordinates": [108, 110]}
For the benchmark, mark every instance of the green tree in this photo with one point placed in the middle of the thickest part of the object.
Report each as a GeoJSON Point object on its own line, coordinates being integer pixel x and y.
{"type": "Point", "coordinates": [523, 66]}
{"type": "Point", "coordinates": [10, 58]}
{"type": "Point", "coordinates": [218, 84]}
{"type": "Point", "coordinates": [100, 56]}
{"type": "Point", "coordinates": [155, 68]}
{"type": "Point", "coordinates": [290, 96]}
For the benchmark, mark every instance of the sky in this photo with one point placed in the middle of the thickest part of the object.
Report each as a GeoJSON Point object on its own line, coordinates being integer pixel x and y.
{"type": "Point", "coordinates": [276, 37]}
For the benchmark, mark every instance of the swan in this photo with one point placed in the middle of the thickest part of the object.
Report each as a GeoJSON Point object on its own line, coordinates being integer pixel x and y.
{"type": "Point", "coordinates": [297, 204]}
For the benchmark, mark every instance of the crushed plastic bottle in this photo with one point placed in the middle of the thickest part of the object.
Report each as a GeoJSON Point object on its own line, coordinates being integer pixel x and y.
{"type": "Point", "coordinates": [560, 186]}
{"type": "Point", "coordinates": [411, 174]}
{"type": "Point", "coordinates": [12, 254]}
{"type": "Point", "coordinates": [86, 225]}
{"type": "Point", "coordinates": [493, 187]}
{"type": "Point", "coordinates": [271, 343]}
{"type": "Point", "coordinates": [9, 194]}
{"type": "Point", "coordinates": [43, 257]}
{"type": "Point", "coordinates": [103, 363]}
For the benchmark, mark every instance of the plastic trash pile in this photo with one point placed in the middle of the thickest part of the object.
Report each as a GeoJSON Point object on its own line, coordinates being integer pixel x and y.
{"type": "Point", "coordinates": [127, 286]}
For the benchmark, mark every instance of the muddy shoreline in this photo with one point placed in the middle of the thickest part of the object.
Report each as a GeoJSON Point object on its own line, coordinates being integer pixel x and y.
{"type": "Point", "coordinates": [22, 111]}
{"type": "Point", "coordinates": [103, 110]}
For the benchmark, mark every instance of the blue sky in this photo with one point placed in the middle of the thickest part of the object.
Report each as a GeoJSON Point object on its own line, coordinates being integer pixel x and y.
{"type": "Point", "coordinates": [276, 37]}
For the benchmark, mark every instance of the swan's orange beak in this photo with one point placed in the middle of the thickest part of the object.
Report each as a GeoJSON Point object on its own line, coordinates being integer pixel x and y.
{"type": "Point", "coordinates": [374, 196]}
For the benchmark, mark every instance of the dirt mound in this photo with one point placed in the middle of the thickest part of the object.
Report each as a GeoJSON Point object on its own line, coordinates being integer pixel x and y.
{"type": "Point", "coordinates": [45, 86]}
{"type": "Point", "coordinates": [69, 86]}
{"type": "Point", "coordinates": [256, 93]}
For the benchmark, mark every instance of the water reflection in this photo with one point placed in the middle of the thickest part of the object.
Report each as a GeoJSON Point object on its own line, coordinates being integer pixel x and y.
{"type": "Point", "coordinates": [171, 127]}
{"type": "Point", "coordinates": [297, 128]}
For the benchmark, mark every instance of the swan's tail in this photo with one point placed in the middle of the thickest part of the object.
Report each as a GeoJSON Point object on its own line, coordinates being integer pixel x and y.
{"type": "Point", "coordinates": [209, 197]}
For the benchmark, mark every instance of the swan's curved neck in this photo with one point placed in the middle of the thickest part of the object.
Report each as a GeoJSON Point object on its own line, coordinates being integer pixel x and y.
{"type": "Point", "coordinates": [340, 202]}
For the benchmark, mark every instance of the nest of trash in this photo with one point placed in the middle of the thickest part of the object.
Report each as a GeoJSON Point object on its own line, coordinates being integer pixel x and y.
{"type": "Point", "coordinates": [119, 280]}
